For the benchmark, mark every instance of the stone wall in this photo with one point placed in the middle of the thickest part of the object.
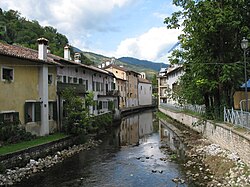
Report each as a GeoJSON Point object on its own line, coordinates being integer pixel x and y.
{"type": "Point", "coordinates": [227, 137]}
{"type": "Point", "coordinates": [21, 158]}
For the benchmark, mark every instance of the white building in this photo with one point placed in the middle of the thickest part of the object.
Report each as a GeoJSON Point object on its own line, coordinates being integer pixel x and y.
{"type": "Point", "coordinates": [173, 74]}
{"type": "Point", "coordinates": [144, 92]}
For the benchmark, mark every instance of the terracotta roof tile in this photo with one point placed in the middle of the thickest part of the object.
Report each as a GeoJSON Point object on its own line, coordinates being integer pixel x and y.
{"type": "Point", "coordinates": [21, 52]}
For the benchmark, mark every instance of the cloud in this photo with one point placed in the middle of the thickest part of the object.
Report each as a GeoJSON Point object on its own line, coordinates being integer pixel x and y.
{"type": "Point", "coordinates": [152, 45]}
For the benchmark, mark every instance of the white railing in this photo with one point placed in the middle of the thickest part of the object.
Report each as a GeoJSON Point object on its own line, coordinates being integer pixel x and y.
{"type": "Point", "coordinates": [237, 117]}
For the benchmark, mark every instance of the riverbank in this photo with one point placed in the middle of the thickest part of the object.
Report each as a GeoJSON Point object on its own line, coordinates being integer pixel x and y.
{"type": "Point", "coordinates": [12, 176]}
{"type": "Point", "coordinates": [208, 164]}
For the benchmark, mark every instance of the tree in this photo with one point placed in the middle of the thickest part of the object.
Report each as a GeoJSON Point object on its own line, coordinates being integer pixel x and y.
{"type": "Point", "coordinates": [212, 32]}
{"type": "Point", "coordinates": [18, 30]}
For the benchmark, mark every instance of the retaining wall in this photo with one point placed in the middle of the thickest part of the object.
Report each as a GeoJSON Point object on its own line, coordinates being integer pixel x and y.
{"type": "Point", "coordinates": [21, 158]}
{"type": "Point", "coordinates": [218, 133]}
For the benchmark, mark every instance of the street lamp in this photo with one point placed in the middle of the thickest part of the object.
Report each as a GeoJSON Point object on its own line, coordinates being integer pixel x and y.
{"type": "Point", "coordinates": [244, 46]}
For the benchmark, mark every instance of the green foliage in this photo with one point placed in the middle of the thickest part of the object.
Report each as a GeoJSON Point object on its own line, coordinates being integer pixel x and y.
{"type": "Point", "coordinates": [78, 120]}
{"type": "Point", "coordinates": [102, 122]}
{"type": "Point", "coordinates": [18, 30]}
{"type": "Point", "coordinates": [212, 32]}
{"type": "Point", "coordinates": [13, 132]}
{"type": "Point", "coordinates": [77, 117]}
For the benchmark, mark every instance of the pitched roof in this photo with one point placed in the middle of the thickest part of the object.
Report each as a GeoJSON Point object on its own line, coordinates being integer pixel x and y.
{"type": "Point", "coordinates": [32, 55]}
{"type": "Point", "coordinates": [144, 80]}
{"type": "Point", "coordinates": [22, 53]}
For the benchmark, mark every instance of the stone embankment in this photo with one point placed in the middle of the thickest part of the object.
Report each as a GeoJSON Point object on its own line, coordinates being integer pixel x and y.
{"type": "Point", "coordinates": [211, 163]}
{"type": "Point", "coordinates": [15, 175]}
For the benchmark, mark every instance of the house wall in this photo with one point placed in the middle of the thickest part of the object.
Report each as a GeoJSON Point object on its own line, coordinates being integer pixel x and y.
{"type": "Point", "coordinates": [117, 72]}
{"type": "Point", "coordinates": [145, 93]}
{"type": "Point", "coordinates": [24, 87]}
{"type": "Point", "coordinates": [162, 89]}
{"type": "Point", "coordinates": [132, 89]}
{"type": "Point", "coordinates": [239, 96]}
{"type": "Point", "coordinates": [122, 87]}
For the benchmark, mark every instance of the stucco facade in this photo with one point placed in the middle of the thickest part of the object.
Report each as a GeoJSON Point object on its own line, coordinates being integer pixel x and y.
{"type": "Point", "coordinates": [144, 92]}
{"type": "Point", "coordinates": [28, 87]}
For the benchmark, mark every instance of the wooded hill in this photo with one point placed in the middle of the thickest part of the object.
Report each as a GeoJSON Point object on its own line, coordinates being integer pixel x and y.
{"type": "Point", "coordinates": [15, 29]}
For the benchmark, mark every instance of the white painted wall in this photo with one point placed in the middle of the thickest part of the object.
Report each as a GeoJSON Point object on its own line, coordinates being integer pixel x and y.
{"type": "Point", "coordinates": [145, 93]}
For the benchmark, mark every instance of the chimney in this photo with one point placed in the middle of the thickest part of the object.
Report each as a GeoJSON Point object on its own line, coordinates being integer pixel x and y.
{"type": "Point", "coordinates": [77, 57]}
{"type": "Point", "coordinates": [67, 52]}
{"type": "Point", "coordinates": [42, 48]}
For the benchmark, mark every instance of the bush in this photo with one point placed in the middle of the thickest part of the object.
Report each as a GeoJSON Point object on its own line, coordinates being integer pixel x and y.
{"type": "Point", "coordinates": [13, 132]}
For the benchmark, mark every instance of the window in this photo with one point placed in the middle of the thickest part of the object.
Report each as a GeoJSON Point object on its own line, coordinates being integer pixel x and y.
{"type": "Point", "coordinates": [59, 78]}
{"type": "Point", "coordinates": [32, 111]}
{"type": "Point", "coordinates": [70, 80]}
{"type": "Point", "coordinates": [93, 85]}
{"type": "Point", "coordinates": [7, 74]}
{"type": "Point", "coordinates": [102, 87]}
{"type": "Point", "coordinates": [86, 85]}
{"type": "Point", "coordinates": [97, 86]}
{"type": "Point", "coordinates": [50, 79]}
{"type": "Point", "coordinates": [75, 80]}
{"type": "Point", "coordinates": [64, 79]}
{"type": "Point", "coordinates": [52, 110]}
{"type": "Point", "coordinates": [105, 104]}
{"type": "Point", "coordinates": [80, 81]}
{"type": "Point", "coordinates": [9, 116]}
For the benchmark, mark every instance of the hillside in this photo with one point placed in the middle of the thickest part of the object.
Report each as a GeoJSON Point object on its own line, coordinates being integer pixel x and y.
{"type": "Point", "coordinates": [144, 63]}
{"type": "Point", "coordinates": [99, 59]}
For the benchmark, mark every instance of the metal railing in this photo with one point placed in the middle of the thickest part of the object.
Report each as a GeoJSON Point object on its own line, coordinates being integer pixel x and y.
{"type": "Point", "coordinates": [200, 109]}
{"type": "Point", "coordinates": [237, 117]}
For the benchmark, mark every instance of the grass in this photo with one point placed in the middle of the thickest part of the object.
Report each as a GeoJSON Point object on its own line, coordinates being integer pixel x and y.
{"type": "Point", "coordinates": [32, 143]}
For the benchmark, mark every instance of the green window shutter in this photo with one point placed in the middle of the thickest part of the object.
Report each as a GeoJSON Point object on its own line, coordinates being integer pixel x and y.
{"type": "Point", "coordinates": [100, 105]}
{"type": "Point", "coordinates": [55, 111]}
{"type": "Point", "coordinates": [1, 118]}
{"type": "Point", "coordinates": [37, 111]}
{"type": "Point", "coordinates": [26, 106]}
{"type": "Point", "coordinates": [87, 85]}
{"type": "Point", "coordinates": [16, 116]}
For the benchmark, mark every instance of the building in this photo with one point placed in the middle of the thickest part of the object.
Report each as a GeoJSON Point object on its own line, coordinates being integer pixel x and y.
{"type": "Point", "coordinates": [28, 87]}
{"type": "Point", "coordinates": [144, 92]}
{"type": "Point", "coordinates": [162, 86]}
{"type": "Point", "coordinates": [32, 83]}
{"type": "Point", "coordinates": [173, 74]}
{"type": "Point", "coordinates": [121, 82]}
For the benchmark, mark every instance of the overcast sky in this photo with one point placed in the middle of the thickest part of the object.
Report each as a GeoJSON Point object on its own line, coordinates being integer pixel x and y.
{"type": "Point", "coordinates": [113, 28]}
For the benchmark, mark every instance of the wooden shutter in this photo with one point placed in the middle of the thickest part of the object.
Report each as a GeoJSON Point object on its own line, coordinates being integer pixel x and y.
{"type": "Point", "coordinates": [55, 111]}
{"type": "Point", "coordinates": [100, 105]}
{"type": "Point", "coordinates": [37, 111]}
{"type": "Point", "coordinates": [16, 116]}
{"type": "Point", "coordinates": [26, 117]}
{"type": "Point", "coordinates": [1, 118]}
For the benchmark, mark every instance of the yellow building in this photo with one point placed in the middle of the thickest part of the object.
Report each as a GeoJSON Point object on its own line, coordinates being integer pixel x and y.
{"type": "Point", "coordinates": [120, 82]}
{"type": "Point", "coordinates": [28, 87]}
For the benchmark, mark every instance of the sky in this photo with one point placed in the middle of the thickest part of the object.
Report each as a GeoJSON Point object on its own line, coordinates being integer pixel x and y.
{"type": "Point", "coordinates": [113, 28]}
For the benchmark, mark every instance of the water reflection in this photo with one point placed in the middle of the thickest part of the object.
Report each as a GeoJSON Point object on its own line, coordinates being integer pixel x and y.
{"type": "Point", "coordinates": [117, 161]}
{"type": "Point", "coordinates": [170, 138]}
{"type": "Point", "coordinates": [135, 127]}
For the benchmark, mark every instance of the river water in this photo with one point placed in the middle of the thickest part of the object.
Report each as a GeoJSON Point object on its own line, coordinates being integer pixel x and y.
{"type": "Point", "coordinates": [129, 156]}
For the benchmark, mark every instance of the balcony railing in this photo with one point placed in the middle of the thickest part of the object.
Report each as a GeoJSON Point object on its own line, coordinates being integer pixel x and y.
{"type": "Point", "coordinates": [78, 88]}
{"type": "Point", "coordinates": [113, 93]}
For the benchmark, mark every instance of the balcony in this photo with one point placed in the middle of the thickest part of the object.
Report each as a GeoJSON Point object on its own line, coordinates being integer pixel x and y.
{"type": "Point", "coordinates": [113, 93]}
{"type": "Point", "coordinates": [78, 88]}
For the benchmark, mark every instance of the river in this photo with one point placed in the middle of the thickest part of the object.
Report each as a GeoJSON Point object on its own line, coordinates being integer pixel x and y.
{"type": "Point", "coordinates": [129, 156]}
